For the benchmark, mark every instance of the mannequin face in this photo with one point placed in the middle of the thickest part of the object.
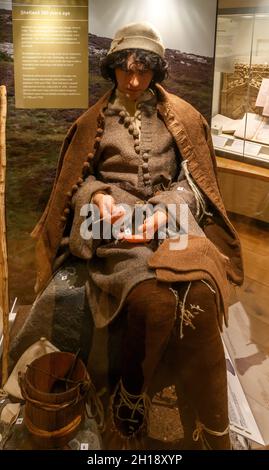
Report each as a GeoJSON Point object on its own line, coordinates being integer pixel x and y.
{"type": "Point", "coordinates": [135, 80]}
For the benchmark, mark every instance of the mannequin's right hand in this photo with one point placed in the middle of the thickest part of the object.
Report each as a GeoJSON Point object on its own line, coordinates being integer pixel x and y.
{"type": "Point", "coordinates": [107, 207]}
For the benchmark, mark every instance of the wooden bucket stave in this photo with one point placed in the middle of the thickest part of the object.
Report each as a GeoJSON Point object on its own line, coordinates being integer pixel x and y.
{"type": "Point", "coordinates": [53, 417]}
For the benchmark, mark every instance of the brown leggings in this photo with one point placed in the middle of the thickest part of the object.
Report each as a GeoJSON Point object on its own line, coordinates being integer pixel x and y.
{"type": "Point", "coordinates": [151, 319]}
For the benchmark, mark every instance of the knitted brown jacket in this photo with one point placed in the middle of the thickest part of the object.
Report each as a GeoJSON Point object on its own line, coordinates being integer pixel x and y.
{"type": "Point", "coordinates": [192, 136]}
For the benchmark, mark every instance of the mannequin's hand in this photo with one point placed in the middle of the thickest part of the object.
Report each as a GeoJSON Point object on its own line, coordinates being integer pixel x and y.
{"type": "Point", "coordinates": [108, 209]}
{"type": "Point", "coordinates": [147, 229]}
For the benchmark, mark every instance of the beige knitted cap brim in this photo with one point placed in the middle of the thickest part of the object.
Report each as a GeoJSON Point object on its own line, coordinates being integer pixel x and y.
{"type": "Point", "coordinates": [137, 36]}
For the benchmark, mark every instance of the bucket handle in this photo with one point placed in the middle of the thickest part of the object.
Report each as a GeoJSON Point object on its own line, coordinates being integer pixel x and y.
{"type": "Point", "coordinates": [64, 379]}
{"type": "Point", "coordinates": [46, 406]}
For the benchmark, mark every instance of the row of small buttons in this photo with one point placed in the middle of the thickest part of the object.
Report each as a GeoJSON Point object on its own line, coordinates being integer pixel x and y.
{"type": "Point", "coordinates": [145, 167]}
{"type": "Point", "coordinates": [85, 171]}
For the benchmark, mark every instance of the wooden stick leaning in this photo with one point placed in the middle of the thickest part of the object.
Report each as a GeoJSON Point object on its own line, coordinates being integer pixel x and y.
{"type": "Point", "coordinates": [4, 301]}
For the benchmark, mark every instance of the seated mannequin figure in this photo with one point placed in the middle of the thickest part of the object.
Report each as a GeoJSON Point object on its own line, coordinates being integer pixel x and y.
{"type": "Point", "coordinates": [142, 147]}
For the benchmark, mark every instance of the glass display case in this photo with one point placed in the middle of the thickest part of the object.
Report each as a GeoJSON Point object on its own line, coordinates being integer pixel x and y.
{"type": "Point", "coordinates": [240, 110]}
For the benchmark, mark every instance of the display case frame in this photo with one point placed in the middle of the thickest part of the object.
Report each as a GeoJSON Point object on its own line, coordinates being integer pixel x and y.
{"type": "Point", "coordinates": [240, 131]}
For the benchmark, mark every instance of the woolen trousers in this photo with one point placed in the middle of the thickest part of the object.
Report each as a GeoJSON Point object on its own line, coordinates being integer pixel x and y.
{"type": "Point", "coordinates": [181, 316]}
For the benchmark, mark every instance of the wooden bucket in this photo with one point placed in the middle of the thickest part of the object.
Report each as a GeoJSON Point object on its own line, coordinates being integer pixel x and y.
{"type": "Point", "coordinates": [55, 388]}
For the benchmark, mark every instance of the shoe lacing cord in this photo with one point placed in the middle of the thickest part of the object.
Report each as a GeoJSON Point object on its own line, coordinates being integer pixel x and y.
{"type": "Point", "coordinates": [199, 434]}
{"type": "Point", "coordinates": [136, 403]}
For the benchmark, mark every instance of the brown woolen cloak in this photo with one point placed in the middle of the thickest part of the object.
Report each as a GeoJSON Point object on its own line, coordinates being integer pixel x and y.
{"type": "Point", "coordinates": [192, 136]}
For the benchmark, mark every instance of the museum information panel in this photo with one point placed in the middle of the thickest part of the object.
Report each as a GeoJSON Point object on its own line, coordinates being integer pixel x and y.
{"type": "Point", "coordinates": [51, 53]}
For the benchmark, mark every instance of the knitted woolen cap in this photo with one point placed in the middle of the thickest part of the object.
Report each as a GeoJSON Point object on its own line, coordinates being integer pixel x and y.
{"type": "Point", "coordinates": [137, 36]}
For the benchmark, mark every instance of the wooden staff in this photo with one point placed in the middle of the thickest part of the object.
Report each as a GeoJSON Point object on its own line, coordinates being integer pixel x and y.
{"type": "Point", "coordinates": [4, 302]}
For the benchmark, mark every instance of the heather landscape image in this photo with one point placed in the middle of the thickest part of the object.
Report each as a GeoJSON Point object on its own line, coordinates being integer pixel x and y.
{"type": "Point", "coordinates": [34, 137]}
